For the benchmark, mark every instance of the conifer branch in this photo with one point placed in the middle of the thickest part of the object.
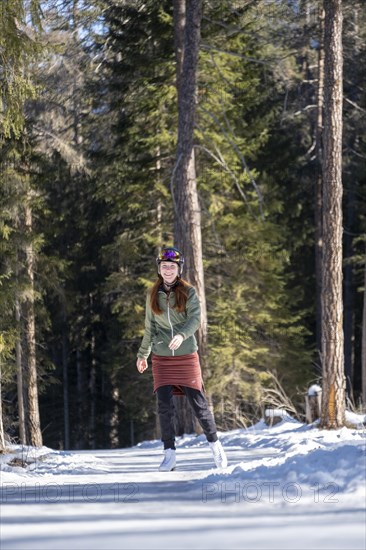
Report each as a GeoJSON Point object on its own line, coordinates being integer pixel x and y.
{"type": "Point", "coordinates": [238, 152]}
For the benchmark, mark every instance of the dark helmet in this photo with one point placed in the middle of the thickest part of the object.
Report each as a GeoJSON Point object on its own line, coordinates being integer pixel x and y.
{"type": "Point", "coordinates": [170, 254]}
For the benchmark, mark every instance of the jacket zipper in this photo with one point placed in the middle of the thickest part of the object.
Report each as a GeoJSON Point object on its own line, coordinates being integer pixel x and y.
{"type": "Point", "coordinates": [171, 326]}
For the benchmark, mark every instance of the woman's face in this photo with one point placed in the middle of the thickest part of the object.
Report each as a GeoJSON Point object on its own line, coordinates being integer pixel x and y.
{"type": "Point", "coordinates": [169, 271]}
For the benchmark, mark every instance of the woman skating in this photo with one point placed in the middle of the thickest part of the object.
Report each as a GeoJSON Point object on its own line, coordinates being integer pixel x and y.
{"type": "Point", "coordinates": [172, 317]}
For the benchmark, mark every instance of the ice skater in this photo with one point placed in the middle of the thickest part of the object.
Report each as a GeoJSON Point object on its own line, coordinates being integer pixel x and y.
{"type": "Point", "coordinates": [172, 316]}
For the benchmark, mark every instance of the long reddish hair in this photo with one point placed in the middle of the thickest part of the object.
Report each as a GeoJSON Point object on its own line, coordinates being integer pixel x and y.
{"type": "Point", "coordinates": [181, 295]}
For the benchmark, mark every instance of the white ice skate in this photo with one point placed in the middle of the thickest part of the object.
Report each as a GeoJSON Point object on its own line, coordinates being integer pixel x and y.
{"type": "Point", "coordinates": [168, 463]}
{"type": "Point", "coordinates": [218, 454]}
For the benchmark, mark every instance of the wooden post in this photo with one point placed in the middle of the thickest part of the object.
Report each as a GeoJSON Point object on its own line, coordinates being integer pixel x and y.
{"type": "Point", "coordinates": [313, 400]}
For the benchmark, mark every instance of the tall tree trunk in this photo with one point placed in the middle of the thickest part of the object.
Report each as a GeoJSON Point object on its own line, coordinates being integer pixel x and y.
{"type": "Point", "coordinates": [349, 305]}
{"type": "Point", "coordinates": [20, 384]}
{"type": "Point", "coordinates": [65, 378]}
{"type": "Point", "coordinates": [363, 377]}
{"type": "Point", "coordinates": [187, 212]}
{"type": "Point", "coordinates": [319, 183]}
{"type": "Point", "coordinates": [355, 95]}
{"type": "Point", "coordinates": [18, 357]}
{"type": "Point", "coordinates": [2, 434]}
{"type": "Point", "coordinates": [32, 420]}
{"type": "Point", "coordinates": [92, 380]}
{"type": "Point", "coordinates": [333, 402]}
{"type": "Point", "coordinates": [82, 398]}
{"type": "Point", "coordinates": [93, 395]}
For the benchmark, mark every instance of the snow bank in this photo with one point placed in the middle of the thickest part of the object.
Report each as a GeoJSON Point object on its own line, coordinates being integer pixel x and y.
{"type": "Point", "coordinates": [289, 452]}
{"type": "Point", "coordinates": [23, 461]}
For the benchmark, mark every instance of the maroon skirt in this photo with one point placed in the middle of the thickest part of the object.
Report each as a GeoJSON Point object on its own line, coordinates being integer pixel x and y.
{"type": "Point", "coordinates": [177, 371]}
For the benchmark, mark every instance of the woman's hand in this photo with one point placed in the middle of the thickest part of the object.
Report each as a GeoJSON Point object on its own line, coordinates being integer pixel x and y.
{"type": "Point", "coordinates": [141, 364]}
{"type": "Point", "coordinates": [176, 342]}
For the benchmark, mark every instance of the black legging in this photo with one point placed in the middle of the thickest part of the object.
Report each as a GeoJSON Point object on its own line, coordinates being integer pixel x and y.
{"type": "Point", "coordinates": [199, 405]}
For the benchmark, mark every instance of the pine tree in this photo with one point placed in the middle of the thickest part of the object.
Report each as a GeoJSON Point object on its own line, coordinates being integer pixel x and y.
{"type": "Point", "coordinates": [18, 299]}
{"type": "Point", "coordinates": [19, 45]}
{"type": "Point", "coordinates": [19, 26]}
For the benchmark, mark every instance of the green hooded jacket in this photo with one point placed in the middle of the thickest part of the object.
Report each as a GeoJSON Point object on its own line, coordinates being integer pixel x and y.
{"type": "Point", "coordinates": [160, 329]}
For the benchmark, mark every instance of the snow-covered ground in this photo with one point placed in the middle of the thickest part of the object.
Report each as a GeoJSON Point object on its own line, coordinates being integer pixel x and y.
{"type": "Point", "coordinates": [291, 486]}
